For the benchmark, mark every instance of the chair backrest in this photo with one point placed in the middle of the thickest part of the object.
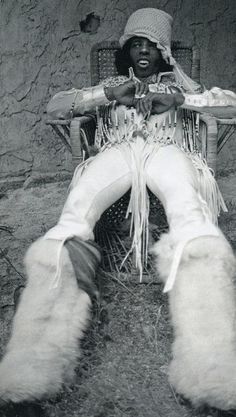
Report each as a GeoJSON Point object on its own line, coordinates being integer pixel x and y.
{"type": "Point", "coordinates": [102, 60]}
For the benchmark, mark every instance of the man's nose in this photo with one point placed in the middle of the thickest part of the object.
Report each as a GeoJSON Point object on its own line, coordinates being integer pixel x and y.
{"type": "Point", "coordinates": [144, 48]}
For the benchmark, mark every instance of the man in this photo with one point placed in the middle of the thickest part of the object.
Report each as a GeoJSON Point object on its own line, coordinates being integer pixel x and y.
{"type": "Point", "coordinates": [141, 143]}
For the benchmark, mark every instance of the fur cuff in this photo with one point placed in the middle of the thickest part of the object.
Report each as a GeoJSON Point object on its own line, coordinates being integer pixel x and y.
{"type": "Point", "coordinates": [43, 349]}
{"type": "Point", "coordinates": [202, 305]}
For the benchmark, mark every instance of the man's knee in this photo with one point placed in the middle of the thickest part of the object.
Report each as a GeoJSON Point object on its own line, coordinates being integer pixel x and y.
{"type": "Point", "coordinates": [171, 170]}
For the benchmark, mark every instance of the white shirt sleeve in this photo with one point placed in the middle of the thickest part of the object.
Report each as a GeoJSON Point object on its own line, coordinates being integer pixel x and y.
{"type": "Point", "coordinates": [211, 101]}
{"type": "Point", "coordinates": [65, 104]}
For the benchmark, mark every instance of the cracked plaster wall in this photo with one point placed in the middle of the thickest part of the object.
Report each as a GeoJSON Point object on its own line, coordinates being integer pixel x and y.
{"type": "Point", "coordinates": [43, 50]}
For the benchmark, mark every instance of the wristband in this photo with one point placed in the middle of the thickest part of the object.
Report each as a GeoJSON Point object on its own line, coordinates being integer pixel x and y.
{"type": "Point", "coordinates": [88, 99]}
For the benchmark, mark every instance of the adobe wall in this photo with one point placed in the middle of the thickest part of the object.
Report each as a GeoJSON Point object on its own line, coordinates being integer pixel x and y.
{"type": "Point", "coordinates": [45, 47]}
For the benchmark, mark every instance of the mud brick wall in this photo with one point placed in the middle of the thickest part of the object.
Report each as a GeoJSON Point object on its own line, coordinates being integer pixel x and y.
{"type": "Point", "coordinates": [45, 47]}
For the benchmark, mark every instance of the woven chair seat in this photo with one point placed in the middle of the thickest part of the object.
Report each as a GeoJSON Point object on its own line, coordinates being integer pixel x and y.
{"type": "Point", "coordinates": [112, 234]}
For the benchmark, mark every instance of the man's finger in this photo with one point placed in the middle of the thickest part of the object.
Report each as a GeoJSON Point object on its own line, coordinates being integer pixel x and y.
{"type": "Point", "coordinates": [146, 90]}
{"type": "Point", "coordinates": [140, 89]}
{"type": "Point", "coordinates": [138, 106]}
{"type": "Point", "coordinates": [145, 106]}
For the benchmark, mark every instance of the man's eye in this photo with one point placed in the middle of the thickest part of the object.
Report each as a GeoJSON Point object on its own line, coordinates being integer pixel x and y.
{"type": "Point", "coordinates": [136, 44]}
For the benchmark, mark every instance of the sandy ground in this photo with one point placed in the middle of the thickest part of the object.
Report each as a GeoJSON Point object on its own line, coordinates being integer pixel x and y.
{"type": "Point", "coordinates": [125, 353]}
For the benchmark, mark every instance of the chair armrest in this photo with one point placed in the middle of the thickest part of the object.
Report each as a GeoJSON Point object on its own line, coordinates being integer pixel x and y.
{"type": "Point", "coordinates": [226, 128]}
{"type": "Point", "coordinates": [76, 134]}
{"type": "Point", "coordinates": [82, 131]}
{"type": "Point", "coordinates": [61, 127]}
{"type": "Point", "coordinates": [209, 143]}
{"type": "Point", "coordinates": [218, 132]}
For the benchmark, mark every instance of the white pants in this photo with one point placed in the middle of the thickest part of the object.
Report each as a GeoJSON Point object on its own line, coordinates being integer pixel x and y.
{"type": "Point", "coordinates": [169, 174]}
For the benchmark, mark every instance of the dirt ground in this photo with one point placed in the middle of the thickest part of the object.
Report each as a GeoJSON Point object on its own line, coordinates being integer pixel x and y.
{"type": "Point", "coordinates": [126, 350]}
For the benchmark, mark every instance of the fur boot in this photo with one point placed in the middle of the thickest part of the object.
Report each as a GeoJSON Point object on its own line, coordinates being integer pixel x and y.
{"type": "Point", "coordinates": [43, 349]}
{"type": "Point", "coordinates": [203, 312]}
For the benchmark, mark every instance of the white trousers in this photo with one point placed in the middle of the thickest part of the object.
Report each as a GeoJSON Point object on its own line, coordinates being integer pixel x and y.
{"type": "Point", "coordinates": [169, 174]}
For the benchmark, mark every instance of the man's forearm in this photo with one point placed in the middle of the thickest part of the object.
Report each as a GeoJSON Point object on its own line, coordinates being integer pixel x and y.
{"type": "Point", "coordinates": [218, 102]}
{"type": "Point", "coordinates": [66, 104]}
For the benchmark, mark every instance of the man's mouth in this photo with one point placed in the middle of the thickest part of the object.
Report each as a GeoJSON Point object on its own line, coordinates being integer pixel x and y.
{"type": "Point", "coordinates": [143, 63]}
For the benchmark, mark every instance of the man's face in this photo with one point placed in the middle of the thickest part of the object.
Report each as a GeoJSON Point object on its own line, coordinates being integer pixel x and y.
{"type": "Point", "coordinates": [145, 57]}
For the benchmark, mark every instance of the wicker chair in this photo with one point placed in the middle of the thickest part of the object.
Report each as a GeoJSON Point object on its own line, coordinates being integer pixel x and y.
{"type": "Point", "coordinates": [78, 136]}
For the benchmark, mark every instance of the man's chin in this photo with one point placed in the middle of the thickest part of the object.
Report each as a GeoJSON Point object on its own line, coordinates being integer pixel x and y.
{"type": "Point", "coordinates": [142, 72]}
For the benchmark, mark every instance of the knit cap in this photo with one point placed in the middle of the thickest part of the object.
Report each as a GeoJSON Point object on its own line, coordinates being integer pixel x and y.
{"type": "Point", "coordinates": [153, 24]}
{"type": "Point", "coordinates": [156, 25]}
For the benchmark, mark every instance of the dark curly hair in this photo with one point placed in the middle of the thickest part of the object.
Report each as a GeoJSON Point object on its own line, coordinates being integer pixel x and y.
{"type": "Point", "coordinates": [123, 61]}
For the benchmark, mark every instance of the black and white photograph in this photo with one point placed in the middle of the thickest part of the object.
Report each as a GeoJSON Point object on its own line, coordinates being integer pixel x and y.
{"type": "Point", "coordinates": [118, 208]}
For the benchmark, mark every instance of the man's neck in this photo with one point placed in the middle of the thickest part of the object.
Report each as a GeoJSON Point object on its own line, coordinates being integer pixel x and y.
{"type": "Point", "coordinates": [149, 79]}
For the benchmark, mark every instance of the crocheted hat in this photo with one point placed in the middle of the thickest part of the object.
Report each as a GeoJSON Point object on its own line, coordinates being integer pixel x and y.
{"type": "Point", "coordinates": [153, 24]}
{"type": "Point", "coordinates": [156, 25]}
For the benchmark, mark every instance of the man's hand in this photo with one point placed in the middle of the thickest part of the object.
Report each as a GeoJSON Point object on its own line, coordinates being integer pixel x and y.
{"type": "Point", "coordinates": [156, 103]}
{"type": "Point", "coordinates": [125, 93]}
